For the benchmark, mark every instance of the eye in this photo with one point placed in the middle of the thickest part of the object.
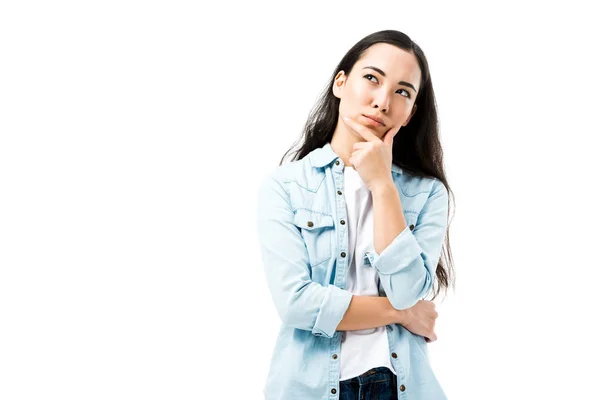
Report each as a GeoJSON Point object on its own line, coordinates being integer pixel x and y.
{"type": "Point", "coordinates": [407, 92]}
{"type": "Point", "coordinates": [369, 75]}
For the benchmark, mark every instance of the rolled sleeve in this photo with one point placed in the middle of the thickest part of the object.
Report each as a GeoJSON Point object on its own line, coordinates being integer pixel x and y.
{"type": "Point", "coordinates": [397, 255]}
{"type": "Point", "coordinates": [335, 304]}
{"type": "Point", "coordinates": [407, 266]}
{"type": "Point", "coordinates": [300, 302]}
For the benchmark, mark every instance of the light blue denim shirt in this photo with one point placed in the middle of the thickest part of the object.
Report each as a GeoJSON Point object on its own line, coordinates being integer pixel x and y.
{"type": "Point", "coordinates": [304, 243]}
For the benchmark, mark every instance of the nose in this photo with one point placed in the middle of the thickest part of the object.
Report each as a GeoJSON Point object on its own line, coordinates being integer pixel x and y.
{"type": "Point", "coordinates": [382, 101]}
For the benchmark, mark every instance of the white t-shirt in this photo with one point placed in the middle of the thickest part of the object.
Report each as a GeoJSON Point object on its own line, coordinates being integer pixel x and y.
{"type": "Point", "coordinates": [367, 348]}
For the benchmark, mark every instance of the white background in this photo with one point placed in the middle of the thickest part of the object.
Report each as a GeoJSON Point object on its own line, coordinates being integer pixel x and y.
{"type": "Point", "coordinates": [133, 137]}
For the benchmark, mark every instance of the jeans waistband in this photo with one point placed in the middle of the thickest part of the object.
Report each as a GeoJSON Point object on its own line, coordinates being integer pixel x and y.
{"type": "Point", "coordinates": [377, 374]}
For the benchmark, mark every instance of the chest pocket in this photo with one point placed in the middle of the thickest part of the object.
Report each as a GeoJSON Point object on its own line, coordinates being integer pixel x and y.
{"type": "Point", "coordinates": [317, 230]}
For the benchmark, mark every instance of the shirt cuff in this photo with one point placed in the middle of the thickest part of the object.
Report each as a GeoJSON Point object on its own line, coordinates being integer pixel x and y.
{"type": "Point", "coordinates": [332, 311]}
{"type": "Point", "coordinates": [399, 254]}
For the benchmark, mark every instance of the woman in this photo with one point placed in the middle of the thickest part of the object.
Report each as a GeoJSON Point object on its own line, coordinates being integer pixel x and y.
{"type": "Point", "coordinates": [351, 233]}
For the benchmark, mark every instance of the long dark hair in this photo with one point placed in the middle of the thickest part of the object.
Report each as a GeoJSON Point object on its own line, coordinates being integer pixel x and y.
{"type": "Point", "coordinates": [417, 149]}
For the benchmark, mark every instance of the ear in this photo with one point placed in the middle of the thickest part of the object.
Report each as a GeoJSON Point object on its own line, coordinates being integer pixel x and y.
{"type": "Point", "coordinates": [410, 116]}
{"type": "Point", "coordinates": [338, 84]}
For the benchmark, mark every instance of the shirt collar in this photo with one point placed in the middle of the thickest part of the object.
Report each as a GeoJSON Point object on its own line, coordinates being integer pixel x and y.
{"type": "Point", "coordinates": [325, 155]}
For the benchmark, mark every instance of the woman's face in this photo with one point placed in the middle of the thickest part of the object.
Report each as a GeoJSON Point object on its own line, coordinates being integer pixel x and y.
{"type": "Point", "coordinates": [382, 84]}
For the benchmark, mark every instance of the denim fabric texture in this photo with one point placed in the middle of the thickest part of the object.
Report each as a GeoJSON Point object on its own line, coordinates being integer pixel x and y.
{"type": "Point", "coordinates": [376, 384]}
{"type": "Point", "coordinates": [303, 241]}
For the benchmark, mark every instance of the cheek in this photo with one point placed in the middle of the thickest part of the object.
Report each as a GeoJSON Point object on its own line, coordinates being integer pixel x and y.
{"type": "Point", "coordinates": [361, 94]}
{"type": "Point", "coordinates": [352, 101]}
{"type": "Point", "coordinates": [401, 110]}
{"type": "Point", "coordinates": [355, 98]}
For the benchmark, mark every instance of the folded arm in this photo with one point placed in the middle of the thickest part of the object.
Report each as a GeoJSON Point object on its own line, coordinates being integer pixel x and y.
{"type": "Point", "coordinates": [409, 258]}
{"type": "Point", "coordinates": [300, 302]}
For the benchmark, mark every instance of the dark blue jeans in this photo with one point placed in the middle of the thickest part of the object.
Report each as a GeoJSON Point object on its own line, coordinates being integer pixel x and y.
{"type": "Point", "coordinates": [375, 384]}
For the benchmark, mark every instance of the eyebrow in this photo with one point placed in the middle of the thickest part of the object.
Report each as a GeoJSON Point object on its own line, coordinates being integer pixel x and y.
{"type": "Point", "coordinates": [399, 83]}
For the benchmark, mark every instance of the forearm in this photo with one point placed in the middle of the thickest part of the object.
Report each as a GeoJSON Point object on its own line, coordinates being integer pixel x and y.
{"type": "Point", "coordinates": [388, 216]}
{"type": "Point", "coordinates": [366, 312]}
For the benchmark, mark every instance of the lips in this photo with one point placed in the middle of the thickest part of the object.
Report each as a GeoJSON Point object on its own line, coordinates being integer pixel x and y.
{"type": "Point", "coordinates": [375, 120]}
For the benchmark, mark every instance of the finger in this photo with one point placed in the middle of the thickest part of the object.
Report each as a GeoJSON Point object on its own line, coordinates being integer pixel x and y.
{"type": "Point", "coordinates": [388, 139]}
{"type": "Point", "coordinates": [363, 131]}
{"type": "Point", "coordinates": [360, 145]}
{"type": "Point", "coordinates": [355, 156]}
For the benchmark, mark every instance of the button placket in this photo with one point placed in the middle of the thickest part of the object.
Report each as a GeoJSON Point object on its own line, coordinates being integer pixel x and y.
{"type": "Point", "coordinates": [341, 207]}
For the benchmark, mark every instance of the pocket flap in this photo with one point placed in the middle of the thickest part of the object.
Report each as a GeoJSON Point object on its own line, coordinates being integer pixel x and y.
{"type": "Point", "coordinates": [310, 220]}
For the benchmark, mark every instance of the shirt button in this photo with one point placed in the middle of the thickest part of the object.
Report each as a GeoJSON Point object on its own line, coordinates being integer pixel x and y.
{"type": "Point", "coordinates": [333, 391]}
{"type": "Point", "coordinates": [339, 192]}
{"type": "Point", "coordinates": [309, 223]}
{"type": "Point", "coordinates": [343, 254]}
{"type": "Point", "coordinates": [412, 227]}
{"type": "Point", "coordinates": [342, 222]}
{"type": "Point", "coordinates": [394, 355]}
{"type": "Point", "coordinates": [337, 162]}
{"type": "Point", "coordinates": [402, 388]}
{"type": "Point", "coordinates": [335, 356]}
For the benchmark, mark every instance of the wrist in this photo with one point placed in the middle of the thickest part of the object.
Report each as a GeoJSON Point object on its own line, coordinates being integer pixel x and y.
{"type": "Point", "coordinates": [383, 187]}
{"type": "Point", "coordinates": [401, 317]}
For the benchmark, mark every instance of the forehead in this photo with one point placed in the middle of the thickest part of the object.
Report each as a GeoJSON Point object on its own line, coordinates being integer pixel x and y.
{"type": "Point", "coordinates": [398, 64]}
